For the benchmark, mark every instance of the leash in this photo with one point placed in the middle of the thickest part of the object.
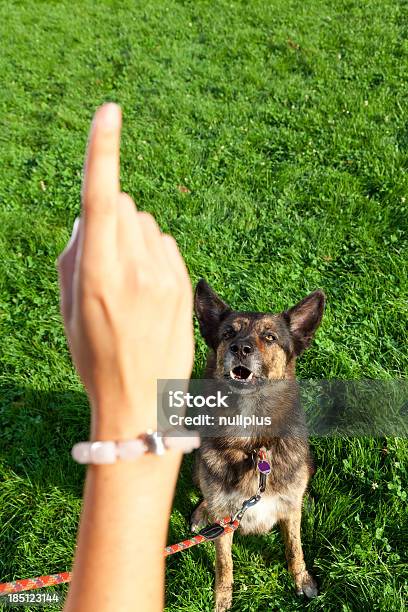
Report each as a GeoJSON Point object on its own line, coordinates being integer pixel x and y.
{"type": "Point", "coordinates": [211, 532]}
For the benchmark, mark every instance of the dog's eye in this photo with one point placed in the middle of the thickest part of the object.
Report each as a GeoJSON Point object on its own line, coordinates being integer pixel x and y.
{"type": "Point", "coordinates": [228, 333]}
{"type": "Point", "coordinates": [270, 337]}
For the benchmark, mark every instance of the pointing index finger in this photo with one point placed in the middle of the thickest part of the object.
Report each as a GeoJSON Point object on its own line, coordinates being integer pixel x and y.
{"type": "Point", "coordinates": [101, 181]}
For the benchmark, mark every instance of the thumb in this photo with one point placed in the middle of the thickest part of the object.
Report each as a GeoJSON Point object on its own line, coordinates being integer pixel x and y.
{"type": "Point", "coordinates": [66, 268]}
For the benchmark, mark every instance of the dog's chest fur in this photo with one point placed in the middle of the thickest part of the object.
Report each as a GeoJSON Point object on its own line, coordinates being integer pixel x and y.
{"type": "Point", "coordinates": [228, 476]}
{"type": "Point", "coordinates": [259, 518]}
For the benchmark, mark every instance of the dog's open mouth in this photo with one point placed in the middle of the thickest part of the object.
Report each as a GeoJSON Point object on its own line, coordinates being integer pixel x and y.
{"type": "Point", "coordinates": [242, 374]}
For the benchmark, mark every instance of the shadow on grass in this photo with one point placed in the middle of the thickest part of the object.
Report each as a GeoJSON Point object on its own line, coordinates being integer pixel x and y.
{"type": "Point", "coordinates": [38, 430]}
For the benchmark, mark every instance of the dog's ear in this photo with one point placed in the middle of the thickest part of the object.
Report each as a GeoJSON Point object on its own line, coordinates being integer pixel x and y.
{"type": "Point", "coordinates": [304, 318]}
{"type": "Point", "coordinates": [209, 309]}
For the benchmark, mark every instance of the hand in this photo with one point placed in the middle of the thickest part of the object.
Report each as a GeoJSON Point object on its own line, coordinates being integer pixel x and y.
{"type": "Point", "coordinates": [126, 296]}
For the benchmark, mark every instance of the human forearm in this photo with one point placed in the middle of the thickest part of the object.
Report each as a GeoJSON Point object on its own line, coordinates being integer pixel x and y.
{"type": "Point", "coordinates": [126, 302]}
{"type": "Point", "coordinates": [122, 535]}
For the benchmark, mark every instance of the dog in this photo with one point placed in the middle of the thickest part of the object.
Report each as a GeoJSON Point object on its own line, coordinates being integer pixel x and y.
{"type": "Point", "coordinates": [256, 351]}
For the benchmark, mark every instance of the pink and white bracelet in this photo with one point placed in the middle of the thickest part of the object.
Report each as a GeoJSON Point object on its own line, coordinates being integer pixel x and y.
{"type": "Point", "coordinates": [107, 451]}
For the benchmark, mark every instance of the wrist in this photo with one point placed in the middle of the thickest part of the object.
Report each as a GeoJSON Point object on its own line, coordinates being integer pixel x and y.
{"type": "Point", "coordinates": [118, 426]}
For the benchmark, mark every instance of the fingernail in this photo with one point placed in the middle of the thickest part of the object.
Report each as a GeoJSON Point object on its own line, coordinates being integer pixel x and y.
{"type": "Point", "coordinates": [109, 115]}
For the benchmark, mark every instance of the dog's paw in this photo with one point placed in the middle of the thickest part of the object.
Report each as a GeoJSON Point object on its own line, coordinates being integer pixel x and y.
{"type": "Point", "coordinates": [306, 585]}
{"type": "Point", "coordinates": [197, 524]}
{"type": "Point", "coordinates": [223, 599]}
{"type": "Point", "coordinates": [199, 518]}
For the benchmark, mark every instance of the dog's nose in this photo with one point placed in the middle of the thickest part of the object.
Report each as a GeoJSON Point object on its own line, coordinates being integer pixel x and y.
{"type": "Point", "coordinates": [243, 348]}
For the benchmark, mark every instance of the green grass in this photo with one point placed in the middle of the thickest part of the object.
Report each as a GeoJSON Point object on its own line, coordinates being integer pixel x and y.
{"type": "Point", "coordinates": [287, 122]}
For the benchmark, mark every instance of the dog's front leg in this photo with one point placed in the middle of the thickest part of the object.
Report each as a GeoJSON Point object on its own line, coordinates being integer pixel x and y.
{"type": "Point", "coordinates": [223, 573]}
{"type": "Point", "coordinates": [305, 583]}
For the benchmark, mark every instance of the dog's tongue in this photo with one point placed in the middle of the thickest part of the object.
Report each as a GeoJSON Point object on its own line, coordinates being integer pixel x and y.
{"type": "Point", "coordinates": [241, 373]}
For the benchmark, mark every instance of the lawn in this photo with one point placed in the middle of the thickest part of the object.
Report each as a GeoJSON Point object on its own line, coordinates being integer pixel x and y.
{"type": "Point", "coordinates": [271, 139]}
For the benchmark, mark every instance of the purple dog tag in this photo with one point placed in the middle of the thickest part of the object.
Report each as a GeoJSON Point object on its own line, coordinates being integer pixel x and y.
{"type": "Point", "coordinates": [264, 467]}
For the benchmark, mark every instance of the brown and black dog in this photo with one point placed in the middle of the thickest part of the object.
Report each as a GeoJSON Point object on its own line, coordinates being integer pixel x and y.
{"type": "Point", "coordinates": [249, 348]}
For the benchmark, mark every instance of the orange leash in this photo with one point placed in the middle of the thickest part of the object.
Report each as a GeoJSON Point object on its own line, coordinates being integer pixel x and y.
{"type": "Point", "coordinates": [27, 584]}
{"type": "Point", "coordinates": [226, 525]}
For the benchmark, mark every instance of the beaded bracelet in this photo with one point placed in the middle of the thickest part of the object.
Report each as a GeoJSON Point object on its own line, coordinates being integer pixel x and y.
{"type": "Point", "coordinates": [108, 451]}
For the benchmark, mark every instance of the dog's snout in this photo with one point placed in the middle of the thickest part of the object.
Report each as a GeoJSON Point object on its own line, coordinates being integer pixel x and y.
{"type": "Point", "coordinates": [242, 348]}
